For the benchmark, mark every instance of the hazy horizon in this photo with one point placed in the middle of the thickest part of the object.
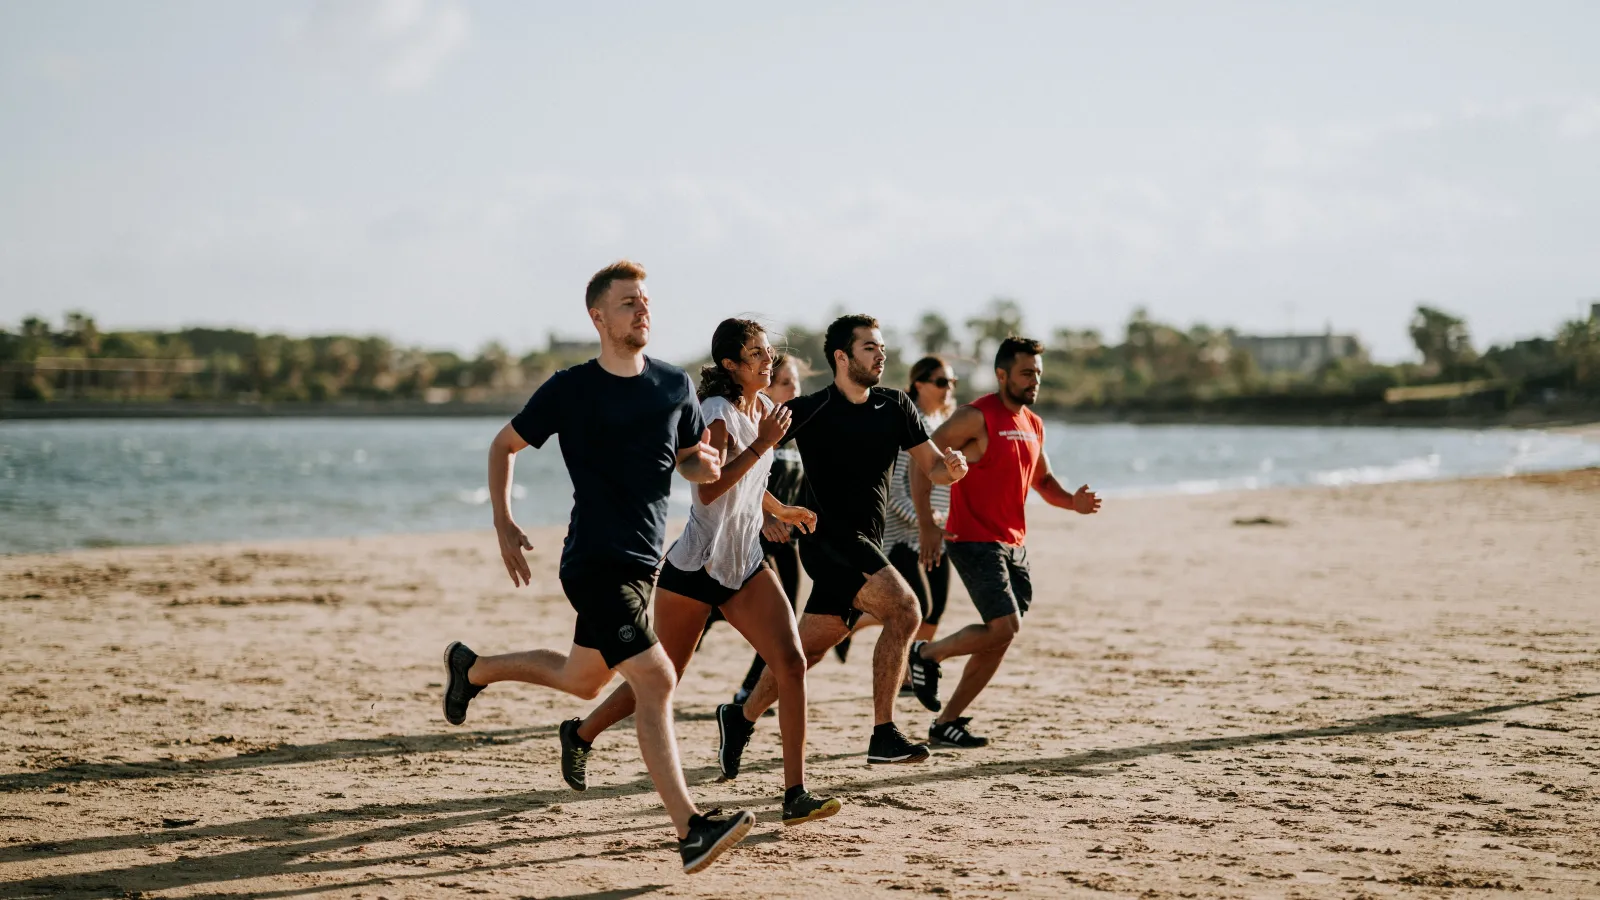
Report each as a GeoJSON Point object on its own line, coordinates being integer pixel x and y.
{"type": "Point", "coordinates": [449, 173]}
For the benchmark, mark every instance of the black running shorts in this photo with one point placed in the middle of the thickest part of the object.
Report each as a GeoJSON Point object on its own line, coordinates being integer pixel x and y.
{"type": "Point", "coordinates": [838, 570]}
{"type": "Point", "coordinates": [996, 575]}
{"type": "Point", "coordinates": [613, 602]}
{"type": "Point", "coordinates": [699, 585]}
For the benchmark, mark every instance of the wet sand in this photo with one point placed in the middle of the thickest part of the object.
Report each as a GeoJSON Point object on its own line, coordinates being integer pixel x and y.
{"type": "Point", "coordinates": [1368, 692]}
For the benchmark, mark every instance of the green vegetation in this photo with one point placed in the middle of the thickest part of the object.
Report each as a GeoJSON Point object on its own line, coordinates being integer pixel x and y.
{"type": "Point", "coordinates": [1154, 367]}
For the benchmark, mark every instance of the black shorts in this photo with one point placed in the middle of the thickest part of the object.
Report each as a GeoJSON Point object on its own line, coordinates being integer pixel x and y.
{"type": "Point", "coordinates": [613, 603]}
{"type": "Point", "coordinates": [996, 575]}
{"type": "Point", "coordinates": [699, 585]}
{"type": "Point", "coordinates": [838, 570]}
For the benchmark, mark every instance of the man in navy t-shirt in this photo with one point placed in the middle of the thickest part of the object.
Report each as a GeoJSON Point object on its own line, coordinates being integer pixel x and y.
{"type": "Point", "coordinates": [625, 422]}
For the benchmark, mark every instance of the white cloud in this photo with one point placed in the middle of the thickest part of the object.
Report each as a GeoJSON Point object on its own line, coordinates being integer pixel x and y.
{"type": "Point", "coordinates": [400, 45]}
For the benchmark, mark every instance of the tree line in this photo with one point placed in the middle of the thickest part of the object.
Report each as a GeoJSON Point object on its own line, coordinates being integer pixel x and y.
{"type": "Point", "coordinates": [1154, 364]}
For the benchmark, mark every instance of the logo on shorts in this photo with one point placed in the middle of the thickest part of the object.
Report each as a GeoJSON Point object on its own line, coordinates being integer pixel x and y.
{"type": "Point", "coordinates": [626, 634]}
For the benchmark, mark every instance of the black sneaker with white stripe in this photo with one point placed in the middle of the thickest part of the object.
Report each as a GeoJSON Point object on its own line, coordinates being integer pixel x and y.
{"type": "Point", "coordinates": [458, 691]}
{"type": "Point", "coordinates": [710, 835]}
{"type": "Point", "coordinates": [924, 677]}
{"type": "Point", "coordinates": [733, 731]}
{"type": "Point", "coordinates": [954, 733]}
{"type": "Point", "coordinates": [888, 745]}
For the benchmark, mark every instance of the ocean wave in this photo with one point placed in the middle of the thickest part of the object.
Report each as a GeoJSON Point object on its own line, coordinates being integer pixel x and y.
{"type": "Point", "coordinates": [1420, 468]}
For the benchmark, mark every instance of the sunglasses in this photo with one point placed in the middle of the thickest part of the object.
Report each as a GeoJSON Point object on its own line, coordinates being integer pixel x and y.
{"type": "Point", "coordinates": [942, 383]}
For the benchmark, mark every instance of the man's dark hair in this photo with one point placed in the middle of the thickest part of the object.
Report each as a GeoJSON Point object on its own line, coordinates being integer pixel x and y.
{"type": "Point", "coordinates": [622, 270]}
{"type": "Point", "coordinates": [842, 335]}
{"type": "Point", "coordinates": [1013, 347]}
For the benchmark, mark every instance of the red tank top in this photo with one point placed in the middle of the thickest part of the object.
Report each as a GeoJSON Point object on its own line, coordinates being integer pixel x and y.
{"type": "Point", "coordinates": [986, 506]}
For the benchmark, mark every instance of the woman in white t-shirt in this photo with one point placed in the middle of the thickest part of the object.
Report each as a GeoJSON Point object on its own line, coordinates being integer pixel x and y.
{"type": "Point", "coordinates": [718, 562]}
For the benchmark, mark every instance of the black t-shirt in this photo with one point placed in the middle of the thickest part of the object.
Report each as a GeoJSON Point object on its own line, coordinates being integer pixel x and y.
{"type": "Point", "coordinates": [620, 438]}
{"type": "Point", "coordinates": [849, 450]}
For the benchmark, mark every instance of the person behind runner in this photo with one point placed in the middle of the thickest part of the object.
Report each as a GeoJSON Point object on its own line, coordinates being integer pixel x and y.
{"type": "Point", "coordinates": [717, 563]}
{"type": "Point", "coordinates": [933, 390]}
{"type": "Point", "coordinates": [780, 542]}
{"type": "Point", "coordinates": [985, 531]}
{"type": "Point", "coordinates": [849, 434]}
{"type": "Point", "coordinates": [625, 423]}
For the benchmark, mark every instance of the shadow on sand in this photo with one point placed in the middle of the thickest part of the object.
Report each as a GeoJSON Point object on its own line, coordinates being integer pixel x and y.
{"type": "Point", "coordinates": [291, 854]}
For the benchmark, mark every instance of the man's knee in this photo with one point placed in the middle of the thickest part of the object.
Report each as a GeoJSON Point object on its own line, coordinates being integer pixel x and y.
{"type": "Point", "coordinates": [1004, 629]}
{"type": "Point", "coordinates": [651, 675]}
{"type": "Point", "coordinates": [589, 689]}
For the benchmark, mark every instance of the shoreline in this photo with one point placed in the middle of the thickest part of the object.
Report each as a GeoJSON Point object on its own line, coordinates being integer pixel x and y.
{"type": "Point", "coordinates": [1584, 475]}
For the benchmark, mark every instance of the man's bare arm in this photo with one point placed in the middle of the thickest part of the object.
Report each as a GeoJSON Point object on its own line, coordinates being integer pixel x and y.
{"type": "Point", "coordinates": [1082, 501]}
{"type": "Point", "coordinates": [502, 460]}
{"type": "Point", "coordinates": [701, 463]}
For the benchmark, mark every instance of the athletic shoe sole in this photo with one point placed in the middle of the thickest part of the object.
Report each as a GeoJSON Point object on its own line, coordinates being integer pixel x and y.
{"type": "Point", "coordinates": [908, 758]}
{"type": "Point", "coordinates": [722, 749]}
{"type": "Point", "coordinates": [734, 835]}
{"type": "Point", "coordinates": [951, 745]}
{"type": "Point", "coordinates": [822, 812]}
{"type": "Point", "coordinates": [449, 682]}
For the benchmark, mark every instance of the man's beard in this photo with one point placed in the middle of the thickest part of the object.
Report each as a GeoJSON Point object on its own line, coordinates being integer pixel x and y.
{"type": "Point", "coordinates": [630, 341]}
{"type": "Point", "coordinates": [862, 375]}
{"type": "Point", "coordinates": [1020, 398]}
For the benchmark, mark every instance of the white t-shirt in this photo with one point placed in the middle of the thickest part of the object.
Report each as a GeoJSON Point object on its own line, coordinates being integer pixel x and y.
{"type": "Point", "coordinates": [724, 537]}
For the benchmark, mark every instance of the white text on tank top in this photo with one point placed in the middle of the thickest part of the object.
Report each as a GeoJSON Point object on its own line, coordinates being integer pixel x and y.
{"type": "Point", "coordinates": [724, 537]}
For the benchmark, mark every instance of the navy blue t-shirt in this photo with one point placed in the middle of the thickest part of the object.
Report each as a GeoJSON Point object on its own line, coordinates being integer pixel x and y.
{"type": "Point", "coordinates": [620, 438]}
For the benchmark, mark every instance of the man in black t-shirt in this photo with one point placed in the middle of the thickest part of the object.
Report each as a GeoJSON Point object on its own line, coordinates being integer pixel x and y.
{"type": "Point", "coordinates": [625, 423]}
{"type": "Point", "coordinates": [849, 435]}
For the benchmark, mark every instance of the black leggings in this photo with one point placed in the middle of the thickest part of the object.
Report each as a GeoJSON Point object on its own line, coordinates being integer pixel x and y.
{"type": "Point", "coordinates": [784, 560]}
{"type": "Point", "coordinates": [932, 586]}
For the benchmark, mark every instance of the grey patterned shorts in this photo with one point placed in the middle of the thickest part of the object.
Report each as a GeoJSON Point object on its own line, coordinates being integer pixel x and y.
{"type": "Point", "coordinates": [996, 575]}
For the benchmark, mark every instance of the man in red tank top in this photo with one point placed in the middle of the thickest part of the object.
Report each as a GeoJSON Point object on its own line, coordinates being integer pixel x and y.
{"type": "Point", "coordinates": [1004, 441]}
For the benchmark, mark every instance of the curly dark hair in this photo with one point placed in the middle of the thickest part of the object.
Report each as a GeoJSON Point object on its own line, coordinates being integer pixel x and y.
{"type": "Point", "coordinates": [727, 342]}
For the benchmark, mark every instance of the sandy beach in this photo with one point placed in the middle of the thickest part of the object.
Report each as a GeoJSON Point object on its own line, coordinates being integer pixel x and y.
{"type": "Point", "coordinates": [1363, 692]}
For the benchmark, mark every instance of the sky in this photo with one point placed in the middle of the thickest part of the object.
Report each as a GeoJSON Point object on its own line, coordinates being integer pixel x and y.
{"type": "Point", "coordinates": [447, 173]}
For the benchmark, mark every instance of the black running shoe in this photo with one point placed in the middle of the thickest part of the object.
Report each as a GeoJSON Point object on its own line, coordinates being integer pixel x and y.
{"type": "Point", "coordinates": [954, 733]}
{"type": "Point", "coordinates": [888, 745]}
{"type": "Point", "coordinates": [734, 731]}
{"type": "Point", "coordinates": [842, 649]}
{"type": "Point", "coordinates": [808, 808]}
{"type": "Point", "coordinates": [574, 756]}
{"type": "Point", "coordinates": [924, 678]}
{"type": "Point", "coordinates": [458, 691]}
{"type": "Point", "coordinates": [710, 835]}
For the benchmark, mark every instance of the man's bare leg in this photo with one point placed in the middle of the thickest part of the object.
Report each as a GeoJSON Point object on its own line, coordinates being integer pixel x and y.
{"type": "Point", "coordinates": [887, 598]}
{"type": "Point", "coordinates": [975, 638]}
{"type": "Point", "coordinates": [581, 672]}
{"type": "Point", "coordinates": [653, 679]}
{"type": "Point", "coordinates": [975, 676]}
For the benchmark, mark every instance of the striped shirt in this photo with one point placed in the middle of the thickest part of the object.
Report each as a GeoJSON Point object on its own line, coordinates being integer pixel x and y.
{"type": "Point", "coordinates": [900, 519]}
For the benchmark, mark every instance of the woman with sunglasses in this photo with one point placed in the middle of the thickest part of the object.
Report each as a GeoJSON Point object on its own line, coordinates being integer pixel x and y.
{"type": "Point", "coordinates": [933, 390]}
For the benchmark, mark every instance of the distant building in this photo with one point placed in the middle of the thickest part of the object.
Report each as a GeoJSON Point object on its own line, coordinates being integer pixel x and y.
{"type": "Point", "coordinates": [1298, 353]}
{"type": "Point", "coordinates": [1594, 312]}
{"type": "Point", "coordinates": [566, 347]}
